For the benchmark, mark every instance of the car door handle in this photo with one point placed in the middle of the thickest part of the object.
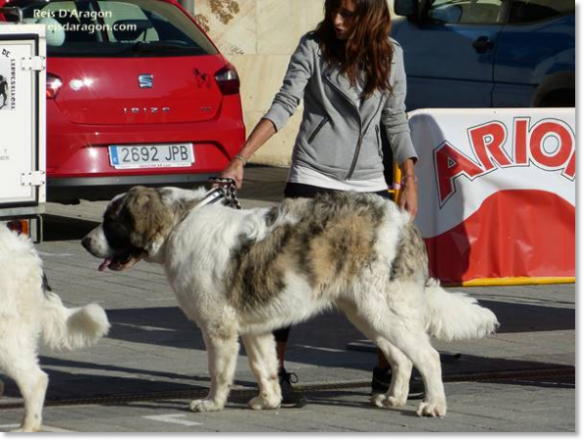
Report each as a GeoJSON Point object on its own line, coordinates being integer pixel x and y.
{"type": "Point", "coordinates": [483, 44]}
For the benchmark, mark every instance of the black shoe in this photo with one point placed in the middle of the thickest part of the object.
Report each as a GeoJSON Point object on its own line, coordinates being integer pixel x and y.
{"type": "Point", "coordinates": [381, 380]}
{"type": "Point", "coordinates": [291, 397]}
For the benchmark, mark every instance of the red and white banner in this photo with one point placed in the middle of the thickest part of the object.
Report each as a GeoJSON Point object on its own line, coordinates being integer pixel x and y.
{"type": "Point", "coordinates": [496, 191]}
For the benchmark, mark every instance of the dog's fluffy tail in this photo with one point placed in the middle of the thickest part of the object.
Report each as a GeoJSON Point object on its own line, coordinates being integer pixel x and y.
{"type": "Point", "coordinates": [455, 315]}
{"type": "Point", "coordinates": [72, 328]}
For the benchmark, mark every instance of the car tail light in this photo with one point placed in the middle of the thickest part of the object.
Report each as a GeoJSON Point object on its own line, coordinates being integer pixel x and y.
{"type": "Point", "coordinates": [54, 84]}
{"type": "Point", "coordinates": [228, 80]}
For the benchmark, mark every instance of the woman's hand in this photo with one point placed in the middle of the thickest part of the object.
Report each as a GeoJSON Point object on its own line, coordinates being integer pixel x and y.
{"type": "Point", "coordinates": [235, 171]}
{"type": "Point", "coordinates": [408, 198]}
{"type": "Point", "coordinates": [263, 131]}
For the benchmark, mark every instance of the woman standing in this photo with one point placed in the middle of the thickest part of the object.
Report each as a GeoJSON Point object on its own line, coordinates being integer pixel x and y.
{"type": "Point", "coordinates": [351, 77]}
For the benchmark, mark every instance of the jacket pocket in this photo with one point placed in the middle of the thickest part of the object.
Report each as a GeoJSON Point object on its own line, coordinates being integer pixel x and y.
{"type": "Point", "coordinates": [317, 129]}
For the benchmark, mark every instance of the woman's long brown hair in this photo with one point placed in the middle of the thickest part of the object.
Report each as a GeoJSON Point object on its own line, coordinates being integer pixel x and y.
{"type": "Point", "coordinates": [368, 46]}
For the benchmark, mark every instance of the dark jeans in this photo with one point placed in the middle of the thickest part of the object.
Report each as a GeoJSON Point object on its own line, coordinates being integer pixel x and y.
{"type": "Point", "coordinates": [297, 190]}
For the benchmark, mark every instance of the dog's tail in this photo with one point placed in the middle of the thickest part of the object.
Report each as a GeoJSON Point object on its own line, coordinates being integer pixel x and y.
{"type": "Point", "coordinates": [456, 315]}
{"type": "Point", "coordinates": [72, 328]}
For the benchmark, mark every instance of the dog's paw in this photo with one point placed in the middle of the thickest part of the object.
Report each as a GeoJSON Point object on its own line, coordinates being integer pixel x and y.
{"type": "Point", "coordinates": [265, 402]}
{"type": "Point", "coordinates": [25, 430]}
{"type": "Point", "coordinates": [205, 405]}
{"type": "Point", "coordinates": [385, 401]}
{"type": "Point", "coordinates": [432, 409]}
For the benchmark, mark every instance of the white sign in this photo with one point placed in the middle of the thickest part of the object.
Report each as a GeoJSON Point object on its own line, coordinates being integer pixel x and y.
{"type": "Point", "coordinates": [492, 184]}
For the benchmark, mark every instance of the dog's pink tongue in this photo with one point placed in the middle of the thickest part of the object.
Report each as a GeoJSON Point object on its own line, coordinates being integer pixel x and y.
{"type": "Point", "coordinates": [104, 264]}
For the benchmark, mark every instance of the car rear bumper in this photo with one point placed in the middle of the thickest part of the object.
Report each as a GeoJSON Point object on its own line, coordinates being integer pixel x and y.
{"type": "Point", "coordinates": [104, 188]}
{"type": "Point", "coordinates": [78, 161]}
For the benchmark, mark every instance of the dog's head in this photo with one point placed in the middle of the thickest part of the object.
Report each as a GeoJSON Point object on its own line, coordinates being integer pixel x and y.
{"type": "Point", "coordinates": [136, 225]}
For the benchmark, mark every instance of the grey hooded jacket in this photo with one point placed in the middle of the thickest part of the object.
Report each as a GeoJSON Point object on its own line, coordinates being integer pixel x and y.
{"type": "Point", "coordinates": [338, 136]}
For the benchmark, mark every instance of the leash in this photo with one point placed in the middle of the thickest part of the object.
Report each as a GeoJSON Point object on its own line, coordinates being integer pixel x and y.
{"type": "Point", "coordinates": [225, 192]}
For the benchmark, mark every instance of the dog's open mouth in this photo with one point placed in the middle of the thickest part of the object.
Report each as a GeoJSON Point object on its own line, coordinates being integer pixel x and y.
{"type": "Point", "coordinates": [121, 261]}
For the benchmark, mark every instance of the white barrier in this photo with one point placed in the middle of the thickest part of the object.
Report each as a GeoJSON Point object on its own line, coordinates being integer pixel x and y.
{"type": "Point", "coordinates": [497, 192]}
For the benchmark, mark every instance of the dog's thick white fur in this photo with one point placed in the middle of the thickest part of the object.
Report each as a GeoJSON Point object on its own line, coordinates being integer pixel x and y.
{"type": "Point", "coordinates": [245, 273]}
{"type": "Point", "coordinates": [28, 312]}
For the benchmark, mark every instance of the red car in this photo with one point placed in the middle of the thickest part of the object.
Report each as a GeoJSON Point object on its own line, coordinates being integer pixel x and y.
{"type": "Point", "coordinates": [136, 94]}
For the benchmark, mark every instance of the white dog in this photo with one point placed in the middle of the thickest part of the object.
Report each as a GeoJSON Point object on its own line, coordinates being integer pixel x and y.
{"type": "Point", "coordinates": [245, 273]}
{"type": "Point", "coordinates": [29, 310]}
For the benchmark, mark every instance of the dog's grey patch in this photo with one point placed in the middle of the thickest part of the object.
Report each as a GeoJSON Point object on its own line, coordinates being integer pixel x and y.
{"type": "Point", "coordinates": [256, 277]}
{"type": "Point", "coordinates": [330, 244]}
{"type": "Point", "coordinates": [271, 216]}
{"type": "Point", "coordinates": [350, 223]}
{"type": "Point", "coordinates": [411, 256]}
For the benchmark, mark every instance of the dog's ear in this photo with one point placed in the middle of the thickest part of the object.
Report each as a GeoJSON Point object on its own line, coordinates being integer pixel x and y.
{"type": "Point", "coordinates": [151, 219]}
{"type": "Point", "coordinates": [181, 198]}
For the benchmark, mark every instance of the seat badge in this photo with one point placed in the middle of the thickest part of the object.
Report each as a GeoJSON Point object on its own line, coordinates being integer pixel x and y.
{"type": "Point", "coordinates": [145, 81]}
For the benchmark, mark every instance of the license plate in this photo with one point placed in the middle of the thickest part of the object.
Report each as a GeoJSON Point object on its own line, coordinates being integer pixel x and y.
{"type": "Point", "coordinates": [151, 156]}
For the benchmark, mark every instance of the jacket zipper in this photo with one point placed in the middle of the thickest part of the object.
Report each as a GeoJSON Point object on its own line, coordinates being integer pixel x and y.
{"type": "Point", "coordinates": [359, 146]}
{"type": "Point", "coordinates": [377, 129]}
{"type": "Point", "coordinates": [362, 133]}
{"type": "Point", "coordinates": [316, 130]}
{"type": "Point", "coordinates": [345, 96]}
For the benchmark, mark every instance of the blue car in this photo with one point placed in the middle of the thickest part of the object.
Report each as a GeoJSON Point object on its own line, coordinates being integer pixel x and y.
{"type": "Point", "coordinates": [488, 53]}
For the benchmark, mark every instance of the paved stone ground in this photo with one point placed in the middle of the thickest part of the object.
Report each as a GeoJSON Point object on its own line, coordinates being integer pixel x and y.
{"type": "Point", "coordinates": [153, 349]}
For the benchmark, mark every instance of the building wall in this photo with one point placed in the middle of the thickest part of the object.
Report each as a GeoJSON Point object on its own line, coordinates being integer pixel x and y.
{"type": "Point", "coordinates": [258, 37]}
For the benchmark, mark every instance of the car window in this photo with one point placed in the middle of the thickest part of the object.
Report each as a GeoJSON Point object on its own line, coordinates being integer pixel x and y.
{"type": "Point", "coordinates": [466, 11]}
{"type": "Point", "coordinates": [525, 11]}
{"type": "Point", "coordinates": [116, 14]}
{"type": "Point", "coordinates": [116, 28]}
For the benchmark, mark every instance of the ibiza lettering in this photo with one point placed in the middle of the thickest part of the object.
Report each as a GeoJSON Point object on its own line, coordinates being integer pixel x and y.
{"type": "Point", "coordinates": [549, 144]}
